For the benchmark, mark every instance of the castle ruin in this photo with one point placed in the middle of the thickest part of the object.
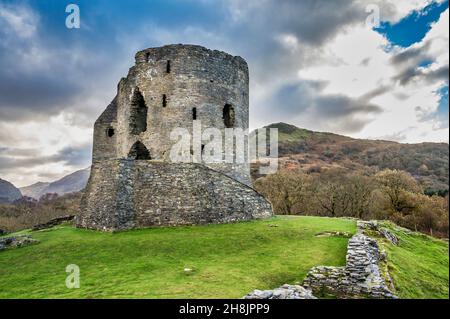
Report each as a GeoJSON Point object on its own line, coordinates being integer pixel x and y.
{"type": "Point", "coordinates": [133, 181]}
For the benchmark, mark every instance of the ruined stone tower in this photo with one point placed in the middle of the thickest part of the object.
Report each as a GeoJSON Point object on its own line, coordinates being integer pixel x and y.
{"type": "Point", "coordinates": [133, 181]}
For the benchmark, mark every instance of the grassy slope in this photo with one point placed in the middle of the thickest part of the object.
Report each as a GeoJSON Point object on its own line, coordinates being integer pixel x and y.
{"type": "Point", "coordinates": [419, 266]}
{"type": "Point", "coordinates": [228, 260]}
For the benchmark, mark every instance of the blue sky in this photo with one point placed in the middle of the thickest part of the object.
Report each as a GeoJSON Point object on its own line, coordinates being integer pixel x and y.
{"type": "Point", "coordinates": [412, 28]}
{"type": "Point", "coordinates": [313, 63]}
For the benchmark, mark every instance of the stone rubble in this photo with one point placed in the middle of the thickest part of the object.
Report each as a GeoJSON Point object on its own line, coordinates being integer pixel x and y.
{"type": "Point", "coordinates": [15, 242]}
{"type": "Point", "coordinates": [360, 277]}
{"type": "Point", "coordinates": [283, 292]}
{"type": "Point", "coordinates": [53, 222]}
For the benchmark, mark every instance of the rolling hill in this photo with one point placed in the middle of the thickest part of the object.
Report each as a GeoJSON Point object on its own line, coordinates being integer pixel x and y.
{"type": "Point", "coordinates": [309, 150]}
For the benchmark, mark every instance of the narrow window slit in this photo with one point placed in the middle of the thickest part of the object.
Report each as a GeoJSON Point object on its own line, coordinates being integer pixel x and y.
{"type": "Point", "coordinates": [194, 113]}
{"type": "Point", "coordinates": [168, 66]}
{"type": "Point", "coordinates": [164, 100]}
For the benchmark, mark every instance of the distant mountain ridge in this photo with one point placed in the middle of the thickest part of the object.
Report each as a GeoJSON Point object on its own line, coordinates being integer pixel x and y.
{"type": "Point", "coordinates": [305, 149]}
{"type": "Point", "coordinates": [8, 192]}
{"type": "Point", "coordinates": [71, 183]}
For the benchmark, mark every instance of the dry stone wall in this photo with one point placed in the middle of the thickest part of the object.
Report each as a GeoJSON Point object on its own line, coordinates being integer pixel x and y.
{"type": "Point", "coordinates": [361, 276]}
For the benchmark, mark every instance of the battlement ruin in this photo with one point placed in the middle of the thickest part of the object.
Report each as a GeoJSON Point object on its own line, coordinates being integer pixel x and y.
{"type": "Point", "coordinates": [133, 181]}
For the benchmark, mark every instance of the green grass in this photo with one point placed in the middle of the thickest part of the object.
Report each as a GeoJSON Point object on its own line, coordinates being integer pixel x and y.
{"type": "Point", "coordinates": [228, 261]}
{"type": "Point", "coordinates": [419, 265]}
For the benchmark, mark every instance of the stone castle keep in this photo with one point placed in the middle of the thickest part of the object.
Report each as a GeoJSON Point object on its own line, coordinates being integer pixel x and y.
{"type": "Point", "coordinates": [133, 182]}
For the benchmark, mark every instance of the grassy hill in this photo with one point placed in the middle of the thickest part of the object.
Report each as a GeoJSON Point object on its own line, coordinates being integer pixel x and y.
{"type": "Point", "coordinates": [228, 261]}
{"type": "Point", "coordinates": [427, 162]}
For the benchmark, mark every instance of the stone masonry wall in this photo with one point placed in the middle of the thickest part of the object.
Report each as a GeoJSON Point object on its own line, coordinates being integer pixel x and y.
{"type": "Point", "coordinates": [174, 80]}
{"type": "Point", "coordinates": [134, 182]}
{"type": "Point", "coordinates": [124, 194]}
{"type": "Point", "coordinates": [361, 276]}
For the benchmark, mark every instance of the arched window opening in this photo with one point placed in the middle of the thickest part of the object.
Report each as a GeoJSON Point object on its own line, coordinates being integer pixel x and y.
{"type": "Point", "coordinates": [147, 57]}
{"type": "Point", "coordinates": [168, 66]}
{"type": "Point", "coordinates": [139, 152]}
{"type": "Point", "coordinates": [138, 113]}
{"type": "Point", "coordinates": [164, 100]}
{"type": "Point", "coordinates": [194, 113]}
{"type": "Point", "coordinates": [229, 116]}
{"type": "Point", "coordinates": [110, 132]}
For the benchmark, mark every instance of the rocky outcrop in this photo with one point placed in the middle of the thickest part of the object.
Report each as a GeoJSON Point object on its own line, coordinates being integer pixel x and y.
{"type": "Point", "coordinates": [284, 292]}
{"type": "Point", "coordinates": [8, 192]}
{"type": "Point", "coordinates": [53, 222]}
{"type": "Point", "coordinates": [361, 277]}
{"type": "Point", "coordinates": [15, 242]}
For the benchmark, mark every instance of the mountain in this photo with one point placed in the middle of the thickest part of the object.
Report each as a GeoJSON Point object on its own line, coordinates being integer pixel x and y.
{"type": "Point", "coordinates": [309, 150]}
{"type": "Point", "coordinates": [8, 192]}
{"type": "Point", "coordinates": [35, 190]}
{"type": "Point", "coordinates": [69, 184]}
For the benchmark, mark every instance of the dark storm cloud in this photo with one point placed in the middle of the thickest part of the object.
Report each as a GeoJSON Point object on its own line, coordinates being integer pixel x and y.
{"type": "Point", "coordinates": [409, 63]}
{"type": "Point", "coordinates": [412, 55]}
{"type": "Point", "coordinates": [45, 71]}
{"type": "Point", "coordinates": [347, 115]}
{"type": "Point", "coordinates": [43, 77]}
{"type": "Point", "coordinates": [417, 74]}
{"type": "Point", "coordinates": [258, 29]}
{"type": "Point", "coordinates": [13, 159]}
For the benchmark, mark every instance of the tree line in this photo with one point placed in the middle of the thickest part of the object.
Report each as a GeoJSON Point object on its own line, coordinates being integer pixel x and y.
{"type": "Point", "coordinates": [388, 194]}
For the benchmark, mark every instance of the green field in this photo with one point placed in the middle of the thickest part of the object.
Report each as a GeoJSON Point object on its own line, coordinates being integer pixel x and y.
{"type": "Point", "coordinates": [227, 261]}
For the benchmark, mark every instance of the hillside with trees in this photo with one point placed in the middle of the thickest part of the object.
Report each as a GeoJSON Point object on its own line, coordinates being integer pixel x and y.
{"type": "Point", "coordinates": [325, 174]}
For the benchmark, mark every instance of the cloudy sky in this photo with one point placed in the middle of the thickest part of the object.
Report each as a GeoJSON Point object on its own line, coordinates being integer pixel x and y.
{"type": "Point", "coordinates": [321, 65]}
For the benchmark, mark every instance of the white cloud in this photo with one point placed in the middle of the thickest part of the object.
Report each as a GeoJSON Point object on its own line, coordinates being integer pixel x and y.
{"type": "Point", "coordinates": [364, 67]}
{"type": "Point", "coordinates": [395, 10]}
{"type": "Point", "coordinates": [20, 20]}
